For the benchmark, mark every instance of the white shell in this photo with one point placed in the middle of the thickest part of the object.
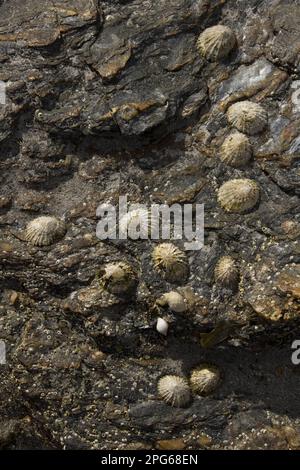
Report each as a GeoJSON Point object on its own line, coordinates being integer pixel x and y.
{"type": "Point", "coordinates": [216, 42]}
{"type": "Point", "coordinates": [162, 326]}
{"type": "Point", "coordinates": [44, 230]}
{"type": "Point", "coordinates": [174, 390]}
{"type": "Point", "coordinates": [205, 379]}
{"type": "Point", "coordinates": [174, 300]}
{"type": "Point", "coordinates": [238, 195]}
{"type": "Point", "coordinates": [236, 150]}
{"type": "Point", "coordinates": [247, 117]}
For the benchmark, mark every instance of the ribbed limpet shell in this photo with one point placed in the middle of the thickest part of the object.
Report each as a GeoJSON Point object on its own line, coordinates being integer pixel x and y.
{"type": "Point", "coordinates": [227, 272]}
{"type": "Point", "coordinates": [205, 379]}
{"type": "Point", "coordinates": [171, 262]}
{"type": "Point", "coordinates": [139, 223]}
{"type": "Point", "coordinates": [216, 42]}
{"type": "Point", "coordinates": [118, 278]}
{"type": "Point", "coordinates": [44, 230]}
{"type": "Point", "coordinates": [238, 195]}
{"type": "Point", "coordinates": [174, 390]}
{"type": "Point", "coordinates": [247, 117]}
{"type": "Point", "coordinates": [236, 150]}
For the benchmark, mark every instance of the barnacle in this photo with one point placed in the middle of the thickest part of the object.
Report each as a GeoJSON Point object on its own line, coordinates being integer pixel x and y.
{"type": "Point", "coordinates": [238, 195]}
{"type": "Point", "coordinates": [216, 42]}
{"type": "Point", "coordinates": [226, 272]}
{"type": "Point", "coordinates": [247, 117]}
{"type": "Point", "coordinates": [236, 150]}
{"type": "Point", "coordinates": [170, 261]}
{"type": "Point", "coordinates": [118, 278]}
{"type": "Point", "coordinates": [44, 230]}
{"type": "Point", "coordinates": [205, 379]}
{"type": "Point", "coordinates": [174, 390]}
{"type": "Point", "coordinates": [174, 301]}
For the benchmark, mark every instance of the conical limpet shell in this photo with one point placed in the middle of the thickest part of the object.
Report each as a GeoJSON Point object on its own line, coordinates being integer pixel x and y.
{"type": "Point", "coordinates": [226, 272]}
{"type": "Point", "coordinates": [174, 301]}
{"type": "Point", "coordinates": [236, 150]}
{"type": "Point", "coordinates": [138, 224]}
{"type": "Point", "coordinates": [171, 262]}
{"type": "Point", "coordinates": [238, 195]}
{"type": "Point", "coordinates": [174, 390]}
{"type": "Point", "coordinates": [247, 117]}
{"type": "Point", "coordinates": [118, 278]}
{"type": "Point", "coordinates": [44, 230]}
{"type": "Point", "coordinates": [216, 42]}
{"type": "Point", "coordinates": [205, 379]}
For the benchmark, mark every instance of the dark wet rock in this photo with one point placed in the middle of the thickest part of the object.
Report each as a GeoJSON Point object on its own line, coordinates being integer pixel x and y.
{"type": "Point", "coordinates": [108, 98]}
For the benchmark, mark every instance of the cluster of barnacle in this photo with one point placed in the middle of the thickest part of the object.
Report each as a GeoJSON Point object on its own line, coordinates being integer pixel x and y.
{"type": "Point", "coordinates": [176, 390]}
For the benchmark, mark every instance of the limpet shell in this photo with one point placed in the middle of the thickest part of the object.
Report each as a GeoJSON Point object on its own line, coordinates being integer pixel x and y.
{"type": "Point", "coordinates": [226, 272]}
{"type": "Point", "coordinates": [205, 379]}
{"type": "Point", "coordinates": [174, 390]}
{"type": "Point", "coordinates": [238, 195]}
{"type": "Point", "coordinates": [236, 150]}
{"type": "Point", "coordinates": [138, 224]}
{"type": "Point", "coordinates": [44, 230]}
{"type": "Point", "coordinates": [247, 117]}
{"type": "Point", "coordinates": [118, 278]}
{"type": "Point", "coordinates": [216, 42]}
{"type": "Point", "coordinates": [171, 262]}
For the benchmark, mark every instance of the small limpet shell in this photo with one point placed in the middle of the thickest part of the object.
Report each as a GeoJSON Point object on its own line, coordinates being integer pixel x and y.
{"type": "Point", "coordinates": [226, 272]}
{"type": "Point", "coordinates": [174, 390]}
{"type": "Point", "coordinates": [216, 42]}
{"type": "Point", "coordinates": [247, 117]}
{"type": "Point", "coordinates": [171, 262]}
{"type": "Point", "coordinates": [236, 150]}
{"type": "Point", "coordinates": [44, 230]}
{"type": "Point", "coordinates": [205, 379]}
{"type": "Point", "coordinates": [118, 278]}
{"type": "Point", "coordinates": [238, 195]}
{"type": "Point", "coordinates": [174, 301]}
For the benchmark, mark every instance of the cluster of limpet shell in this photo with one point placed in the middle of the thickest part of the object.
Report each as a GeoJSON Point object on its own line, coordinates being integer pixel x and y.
{"type": "Point", "coordinates": [216, 42]}
{"type": "Point", "coordinates": [171, 262]}
{"type": "Point", "coordinates": [239, 195]}
{"type": "Point", "coordinates": [176, 390]}
{"type": "Point", "coordinates": [248, 117]}
{"type": "Point", "coordinates": [236, 150]}
{"type": "Point", "coordinates": [118, 278]}
{"type": "Point", "coordinates": [44, 230]}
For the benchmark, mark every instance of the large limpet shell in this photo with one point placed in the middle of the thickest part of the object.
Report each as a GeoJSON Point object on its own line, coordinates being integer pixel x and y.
{"type": "Point", "coordinates": [174, 390]}
{"type": "Point", "coordinates": [247, 117]}
{"type": "Point", "coordinates": [216, 42]}
{"type": "Point", "coordinates": [44, 230]}
{"type": "Point", "coordinates": [170, 261]}
{"type": "Point", "coordinates": [238, 195]}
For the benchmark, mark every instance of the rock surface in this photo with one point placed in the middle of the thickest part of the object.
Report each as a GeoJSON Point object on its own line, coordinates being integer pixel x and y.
{"type": "Point", "coordinates": [111, 97]}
